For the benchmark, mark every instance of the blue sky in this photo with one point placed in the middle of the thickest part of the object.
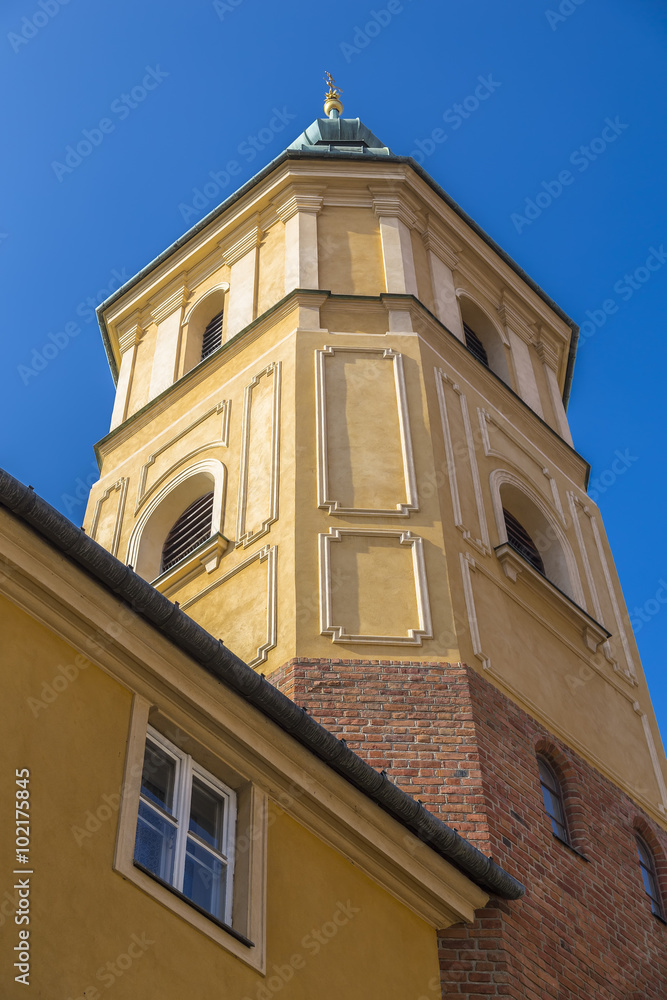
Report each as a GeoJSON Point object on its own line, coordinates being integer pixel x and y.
{"type": "Point", "coordinates": [210, 76]}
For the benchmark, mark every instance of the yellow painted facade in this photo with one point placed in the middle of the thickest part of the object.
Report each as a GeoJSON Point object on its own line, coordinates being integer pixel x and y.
{"type": "Point", "coordinates": [336, 897]}
{"type": "Point", "coordinates": [353, 441]}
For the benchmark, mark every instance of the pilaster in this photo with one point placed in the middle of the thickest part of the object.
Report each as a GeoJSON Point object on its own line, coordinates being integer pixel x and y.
{"type": "Point", "coordinates": [168, 314]}
{"type": "Point", "coordinates": [298, 208]}
{"type": "Point", "coordinates": [443, 260]}
{"type": "Point", "coordinates": [547, 351]}
{"type": "Point", "coordinates": [240, 252]}
{"type": "Point", "coordinates": [129, 334]}
{"type": "Point", "coordinates": [396, 220]}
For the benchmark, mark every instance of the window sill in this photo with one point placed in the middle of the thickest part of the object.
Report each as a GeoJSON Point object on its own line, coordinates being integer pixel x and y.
{"type": "Point", "coordinates": [206, 556]}
{"type": "Point", "coordinates": [514, 565]}
{"type": "Point", "coordinates": [571, 848]}
{"type": "Point", "coordinates": [660, 919]}
{"type": "Point", "coordinates": [200, 909]}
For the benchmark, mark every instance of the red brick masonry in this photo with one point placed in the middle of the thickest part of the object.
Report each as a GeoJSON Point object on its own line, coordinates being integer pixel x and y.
{"type": "Point", "coordinates": [584, 930]}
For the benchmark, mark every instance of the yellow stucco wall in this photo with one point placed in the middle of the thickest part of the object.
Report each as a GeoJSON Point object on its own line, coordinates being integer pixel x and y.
{"type": "Point", "coordinates": [68, 723]}
{"type": "Point", "coordinates": [349, 251]}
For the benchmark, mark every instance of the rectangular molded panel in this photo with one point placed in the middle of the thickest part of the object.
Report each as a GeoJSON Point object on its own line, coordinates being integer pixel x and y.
{"type": "Point", "coordinates": [373, 587]}
{"type": "Point", "coordinates": [258, 485]}
{"type": "Point", "coordinates": [365, 451]}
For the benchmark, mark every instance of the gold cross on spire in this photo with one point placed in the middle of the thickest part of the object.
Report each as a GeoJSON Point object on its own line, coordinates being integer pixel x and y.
{"type": "Point", "coordinates": [333, 106]}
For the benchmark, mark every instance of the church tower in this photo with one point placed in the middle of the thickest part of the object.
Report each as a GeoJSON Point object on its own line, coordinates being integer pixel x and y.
{"type": "Point", "coordinates": [340, 443]}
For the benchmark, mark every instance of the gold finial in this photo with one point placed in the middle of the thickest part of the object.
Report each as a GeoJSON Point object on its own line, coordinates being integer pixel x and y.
{"type": "Point", "coordinates": [333, 106]}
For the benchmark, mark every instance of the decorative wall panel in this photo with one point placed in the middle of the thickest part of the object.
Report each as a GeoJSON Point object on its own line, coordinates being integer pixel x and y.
{"type": "Point", "coordinates": [381, 594]}
{"type": "Point", "coordinates": [108, 516]}
{"type": "Point", "coordinates": [365, 464]}
{"type": "Point", "coordinates": [242, 612]}
{"type": "Point", "coordinates": [208, 430]}
{"type": "Point", "coordinates": [260, 456]}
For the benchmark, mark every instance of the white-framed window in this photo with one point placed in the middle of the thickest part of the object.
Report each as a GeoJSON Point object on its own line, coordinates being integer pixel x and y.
{"type": "Point", "coordinates": [185, 827]}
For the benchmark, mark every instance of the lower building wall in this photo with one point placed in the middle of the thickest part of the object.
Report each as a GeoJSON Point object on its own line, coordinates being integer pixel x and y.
{"type": "Point", "coordinates": [331, 931]}
{"type": "Point", "coordinates": [584, 928]}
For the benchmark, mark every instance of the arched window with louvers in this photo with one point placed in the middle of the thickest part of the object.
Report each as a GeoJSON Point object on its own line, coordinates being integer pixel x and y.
{"type": "Point", "coordinates": [531, 529]}
{"type": "Point", "coordinates": [203, 327]}
{"type": "Point", "coordinates": [190, 529]}
{"type": "Point", "coordinates": [182, 520]}
{"type": "Point", "coordinates": [484, 339]}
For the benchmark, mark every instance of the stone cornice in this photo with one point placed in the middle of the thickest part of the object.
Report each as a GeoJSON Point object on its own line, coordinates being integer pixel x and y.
{"type": "Point", "coordinates": [172, 298]}
{"type": "Point", "coordinates": [437, 242]}
{"type": "Point", "coordinates": [390, 201]}
{"type": "Point", "coordinates": [131, 330]}
{"type": "Point", "coordinates": [241, 242]}
{"type": "Point", "coordinates": [294, 199]}
{"type": "Point", "coordinates": [548, 354]}
{"type": "Point", "coordinates": [516, 317]}
{"type": "Point", "coordinates": [204, 269]}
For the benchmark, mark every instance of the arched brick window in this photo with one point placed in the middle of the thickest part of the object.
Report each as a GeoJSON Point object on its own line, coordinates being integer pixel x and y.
{"type": "Point", "coordinates": [649, 873]}
{"type": "Point", "coordinates": [552, 795]}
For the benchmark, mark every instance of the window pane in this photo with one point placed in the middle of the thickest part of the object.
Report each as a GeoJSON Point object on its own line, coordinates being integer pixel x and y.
{"type": "Point", "coordinates": [206, 814]}
{"type": "Point", "coordinates": [205, 879]}
{"type": "Point", "coordinates": [649, 877]}
{"type": "Point", "coordinates": [157, 780]}
{"type": "Point", "coordinates": [155, 842]}
{"type": "Point", "coordinates": [552, 800]}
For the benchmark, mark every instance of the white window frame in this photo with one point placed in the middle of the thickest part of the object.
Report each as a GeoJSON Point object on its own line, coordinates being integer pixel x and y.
{"type": "Point", "coordinates": [244, 933]}
{"type": "Point", "coordinates": [185, 770]}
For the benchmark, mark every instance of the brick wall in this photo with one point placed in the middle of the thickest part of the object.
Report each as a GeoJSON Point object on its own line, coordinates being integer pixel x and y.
{"type": "Point", "coordinates": [443, 733]}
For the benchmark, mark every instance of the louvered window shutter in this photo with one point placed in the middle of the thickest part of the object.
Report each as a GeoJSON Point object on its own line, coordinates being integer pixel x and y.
{"type": "Point", "coordinates": [474, 344]}
{"type": "Point", "coordinates": [520, 540]}
{"type": "Point", "coordinates": [212, 338]}
{"type": "Point", "coordinates": [191, 529]}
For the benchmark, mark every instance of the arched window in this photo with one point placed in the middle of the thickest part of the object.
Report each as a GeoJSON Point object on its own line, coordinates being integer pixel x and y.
{"type": "Point", "coordinates": [165, 511]}
{"type": "Point", "coordinates": [534, 533]}
{"type": "Point", "coordinates": [191, 529]}
{"type": "Point", "coordinates": [553, 799]}
{"type": "Point", "coordinates": [203, 327]}
{"type": "Point", "coordinates": [520, 540]}
{"type": "Point", "coordinates": [212, 337]}
{"type": "Point", "coordinates": [649, 875]}
{"type": "Point", "coordinates": [483, 338]}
